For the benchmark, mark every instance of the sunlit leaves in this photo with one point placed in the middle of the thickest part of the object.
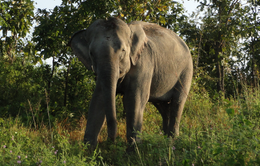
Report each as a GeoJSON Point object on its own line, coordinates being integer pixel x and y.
{"type": "Point", "coordinates": [16, 17]}
{"type": "Point", "coordinates": [143, 10]}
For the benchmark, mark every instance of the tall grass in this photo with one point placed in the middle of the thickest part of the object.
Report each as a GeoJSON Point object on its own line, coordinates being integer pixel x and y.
{"type": "Point", "coordinates": [212, 132]}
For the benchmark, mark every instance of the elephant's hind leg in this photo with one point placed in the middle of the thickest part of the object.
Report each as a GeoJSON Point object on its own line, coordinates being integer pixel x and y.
{"type": "Point", "coordinates": [163, 108]}
{"type": "Point", "coordinates": [175, 117]}
{"type": "Point", "coordinates": [180, 94]}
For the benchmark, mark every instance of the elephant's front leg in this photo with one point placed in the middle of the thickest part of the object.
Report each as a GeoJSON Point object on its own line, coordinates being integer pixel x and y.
{"type": "Point", "coordinates": [134, 103]}
{"type": "Point", "coordinates": [96, 118]}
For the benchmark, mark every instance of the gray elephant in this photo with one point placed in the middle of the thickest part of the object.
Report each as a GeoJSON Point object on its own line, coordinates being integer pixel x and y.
{"type": "Point", "coordinates": [143, 62]}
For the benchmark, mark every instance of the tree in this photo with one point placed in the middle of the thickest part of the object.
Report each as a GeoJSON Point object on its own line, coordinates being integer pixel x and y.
{"type": "Point", "coordinates": [16, 17]}
{"type": "Point", "coordinates": [221, 31]}
{"type": "Point", "coordinates": [251, 35]}
{"type": "Point", "coordinates": [15, 22]}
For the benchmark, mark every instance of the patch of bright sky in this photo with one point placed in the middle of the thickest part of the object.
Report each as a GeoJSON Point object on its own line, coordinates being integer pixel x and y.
{"type": "Point", "coordinates": [48, 4]}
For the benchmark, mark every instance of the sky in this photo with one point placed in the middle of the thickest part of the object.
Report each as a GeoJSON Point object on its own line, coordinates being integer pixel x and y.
{"type": "Point", "coordinates": [48, 4]}
{"type": "Point", "coordinates": [190, 5]}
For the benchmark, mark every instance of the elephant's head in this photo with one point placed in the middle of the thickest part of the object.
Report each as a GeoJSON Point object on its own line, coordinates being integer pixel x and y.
{"type": "Point", "coordinates": [108, 47]}
{"type": "Point", "coordinates": [104, 38]}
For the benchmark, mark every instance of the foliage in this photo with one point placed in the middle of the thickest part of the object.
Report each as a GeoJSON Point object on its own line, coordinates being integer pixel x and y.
{"type": "Point", "coordinates": [16, 19]}
{"type": "Point", "coordinates": [20, 146]}
{"type": "Point", "coordinates": [218, 37]}
{"type": "Point", "coordinates": [23, 89]}
{"type": "Point", "coordinates": [250, 61]}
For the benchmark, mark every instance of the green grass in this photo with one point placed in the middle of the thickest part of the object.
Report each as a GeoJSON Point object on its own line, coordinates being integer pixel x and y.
{"type": "Point", "coordinates": [212, 132]}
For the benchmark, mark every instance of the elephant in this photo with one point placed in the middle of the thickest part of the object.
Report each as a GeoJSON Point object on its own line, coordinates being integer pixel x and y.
{"type": "Point", "coordinates": [142, 61]}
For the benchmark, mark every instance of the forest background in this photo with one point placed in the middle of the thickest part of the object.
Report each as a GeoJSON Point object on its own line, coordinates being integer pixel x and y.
{"type": "Point", "coordinates": [223, 37]}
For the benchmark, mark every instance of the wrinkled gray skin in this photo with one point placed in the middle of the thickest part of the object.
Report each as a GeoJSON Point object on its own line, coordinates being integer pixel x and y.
{"type": "Point", "coordinates": [142, 61]}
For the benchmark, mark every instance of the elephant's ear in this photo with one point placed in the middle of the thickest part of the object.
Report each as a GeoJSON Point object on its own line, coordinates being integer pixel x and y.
{"type": "Point", "coordinates": [80, 48]}
{"type": "Point", "coordinates": [138, 39]}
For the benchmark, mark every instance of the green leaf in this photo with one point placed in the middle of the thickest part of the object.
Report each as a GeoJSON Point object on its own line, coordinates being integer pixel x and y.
{"type": "Point", "coordinates": [230, 112]}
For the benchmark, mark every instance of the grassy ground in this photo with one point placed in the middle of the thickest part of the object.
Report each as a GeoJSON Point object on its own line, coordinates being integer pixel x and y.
{"type": "Point", "coordinates": [212, 132]}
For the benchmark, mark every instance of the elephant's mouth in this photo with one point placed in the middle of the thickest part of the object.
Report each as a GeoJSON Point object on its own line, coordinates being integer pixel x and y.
{"type": "Point", "coordinates": [120, 80]}
{"type": "Point", "coordinates": [121, 73]}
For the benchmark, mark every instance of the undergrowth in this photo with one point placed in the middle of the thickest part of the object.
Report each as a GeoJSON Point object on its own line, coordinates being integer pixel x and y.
{"type": "Point", "coordinates": [212, 132]}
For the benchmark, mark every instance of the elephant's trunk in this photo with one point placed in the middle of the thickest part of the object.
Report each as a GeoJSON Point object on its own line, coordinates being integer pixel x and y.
{"type": "Point", "coordinates": [109, 93]}
{"type": "Point", "coordinates": [103, 103]}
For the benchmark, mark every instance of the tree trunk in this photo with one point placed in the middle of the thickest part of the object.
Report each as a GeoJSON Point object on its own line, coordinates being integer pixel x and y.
{"type": "Point", "coordinates": [198, 58]}
{"type": "Point", "coordinates": [66, 85]}
{"type": "Point", "coordinates": [218, 50]}
{"type": "Point", "coordinates": [50, 78]}
{"type": "Point", "coordinates": [220, 68]}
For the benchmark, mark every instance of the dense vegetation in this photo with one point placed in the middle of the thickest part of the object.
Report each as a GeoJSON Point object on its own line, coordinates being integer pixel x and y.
{"type": "Point", "coordinates": [43, 107]}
